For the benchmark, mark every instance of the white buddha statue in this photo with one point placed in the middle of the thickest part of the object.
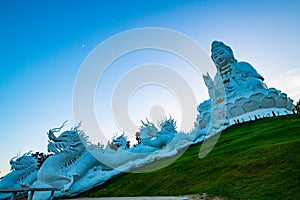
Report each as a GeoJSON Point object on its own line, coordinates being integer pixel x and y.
{"type": "Point", "coordinates": [233, 78]}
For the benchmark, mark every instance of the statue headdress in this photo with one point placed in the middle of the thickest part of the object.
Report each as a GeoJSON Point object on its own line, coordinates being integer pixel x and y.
{"type": "Point", "coordinates": [216, 44]}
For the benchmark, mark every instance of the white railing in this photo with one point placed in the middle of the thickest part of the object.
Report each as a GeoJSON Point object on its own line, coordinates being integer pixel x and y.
{"type": "Point", "coordinates": [29, 190]}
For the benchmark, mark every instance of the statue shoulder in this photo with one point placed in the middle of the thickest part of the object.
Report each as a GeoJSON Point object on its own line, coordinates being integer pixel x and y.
{"type": "Point", "coordinates": [248, 69]}
{"type": "Point", "coordinates": [244, 66]}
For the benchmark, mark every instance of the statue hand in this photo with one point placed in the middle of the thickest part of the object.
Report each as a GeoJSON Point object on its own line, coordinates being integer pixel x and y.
{"type": "Point", "coordinates": [208, 80]}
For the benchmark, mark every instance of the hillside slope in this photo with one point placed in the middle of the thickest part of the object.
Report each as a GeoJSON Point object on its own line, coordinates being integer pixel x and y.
{"type": "Point", "coordinates": [258, 160]}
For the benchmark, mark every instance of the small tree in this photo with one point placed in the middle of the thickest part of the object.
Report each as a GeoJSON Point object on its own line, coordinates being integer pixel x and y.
{"type": "Point", "coordinates": [128, 144]}
{"type": "Point", "coordinates": [41, 157]}
{"type": "Point", "coordinates": [138, 137]}
{"type": "Point", "coordinates": [297, 107]}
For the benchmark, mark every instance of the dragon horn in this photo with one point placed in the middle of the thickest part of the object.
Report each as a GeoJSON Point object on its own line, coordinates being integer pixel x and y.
{"type": "Point", "coordinates": [147, 120]}
{"type": "Point", "coordinates": [78, 125]}
{"type": "Point", "coordinates": [58, 129]}
{"type": "Point", "coordinates": [14, 157]}
{"type": "Point", "coordinates": [143, 122]}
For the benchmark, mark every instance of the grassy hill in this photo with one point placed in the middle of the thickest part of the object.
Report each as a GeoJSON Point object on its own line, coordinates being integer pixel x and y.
{"type": "Point", "coordinates": [255, 160]}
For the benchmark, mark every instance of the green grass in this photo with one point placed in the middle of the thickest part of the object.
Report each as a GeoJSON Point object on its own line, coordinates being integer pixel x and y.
{"type": "Point", "coordinates": [256, 160]}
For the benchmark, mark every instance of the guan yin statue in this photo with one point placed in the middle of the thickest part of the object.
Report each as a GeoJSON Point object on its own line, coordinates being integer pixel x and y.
{"type": "Point", "coordinates": [237, 94]}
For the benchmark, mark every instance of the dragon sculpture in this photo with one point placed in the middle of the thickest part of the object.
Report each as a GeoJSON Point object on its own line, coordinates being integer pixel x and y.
{"type": "Point", "coordinates": [76, 162]}
{"type": "Point", "coordinates": [23, 173]}
{"type": "Point", "coordinates": [151, 137]}
{"type": "Point", "coordinates": [119, 142]}
{"type": "Point", "coordinates": [117, 153]}
{"type": "Point", "coordinates": [60, 170]}
{"type": "Point", "coordinates": [163, 143]}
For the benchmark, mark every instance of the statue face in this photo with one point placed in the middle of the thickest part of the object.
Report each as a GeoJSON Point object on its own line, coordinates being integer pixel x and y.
{"type": "Point", "coordinates": [221, 56]}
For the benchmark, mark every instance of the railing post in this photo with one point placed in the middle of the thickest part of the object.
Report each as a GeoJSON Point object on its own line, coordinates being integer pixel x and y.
{"type": "Point", "coordinates": [52, 194]}
{"type": "Point", "coordinates": [13, 196]}
{"type": "Point", "coordinates": [30, 194]}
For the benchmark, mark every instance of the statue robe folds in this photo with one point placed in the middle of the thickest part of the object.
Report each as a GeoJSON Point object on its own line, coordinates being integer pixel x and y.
{"type": "Point", "coordinates": [237, 79]}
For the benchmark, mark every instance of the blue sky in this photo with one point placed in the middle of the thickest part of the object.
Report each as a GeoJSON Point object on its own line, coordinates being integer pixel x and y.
{"type": "Point", "coordinates": [43, 44]}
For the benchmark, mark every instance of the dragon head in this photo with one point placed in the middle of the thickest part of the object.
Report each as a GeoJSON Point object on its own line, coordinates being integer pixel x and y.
{"type": "Point", "coordinates": [24, 162]}
{"type": "Point", "coordinates": [148, 130]}
{"type": "Point", "coordinates": [69, 141]}
{"type": "Point", "coordinates": [168, 126]}
{"type": "Point", "coordinates": [119, 142]}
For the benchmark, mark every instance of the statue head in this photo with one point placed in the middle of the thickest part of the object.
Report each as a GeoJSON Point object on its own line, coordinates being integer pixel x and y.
{"type": "Point", "coordinates": [221, 54]}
